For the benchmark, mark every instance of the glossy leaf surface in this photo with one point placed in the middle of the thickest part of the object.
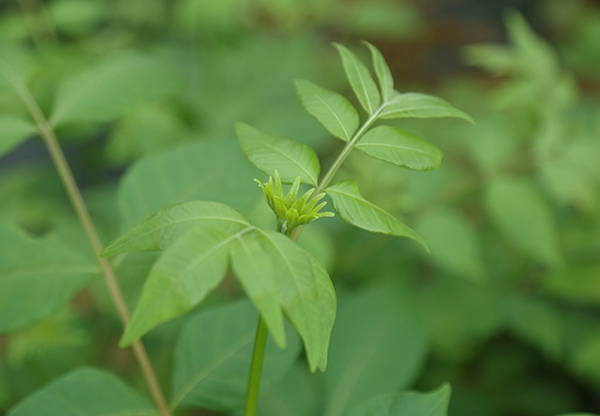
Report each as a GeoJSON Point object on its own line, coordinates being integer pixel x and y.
{"type": "Point", "coordinates": [85, 392]}
{"type": "Point", "coordinates": [332, 110]}
{"type": "Point", "coordinates": [407, 404]}
{"type": "Point", "coordinates": [354, 209]}
{"type": "Point", "coordinates": [213, 356]}
{"type": "Point", "coordinates": [400, 148]}
{"type": "Point", "coordinates": [37, 277]}
{"type": "Point", "coordinates": [164, 227]}
{"type": "Point", "coordinates": [270, 153]}
{"type": "Point", "coordinates": [414, 104]}
{"type": "Point", "coordinates": [382, 70]}
{"type": "Point", "coordinates": [112, 87]}
{"type": "Point", "coordinates": [360, 80]}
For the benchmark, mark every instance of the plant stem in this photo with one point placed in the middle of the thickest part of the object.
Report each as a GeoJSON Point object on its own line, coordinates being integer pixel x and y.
{"type": "Point", "coordinates": [258, 356]}
{"type": "Point", "coordinates": [64, 171]}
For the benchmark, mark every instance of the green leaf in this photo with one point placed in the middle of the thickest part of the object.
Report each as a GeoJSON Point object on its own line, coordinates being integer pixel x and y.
{"type": "Point", "coordinates": [414, 104]}
{"type": "Point", "coordinates": [253, 268]}
{"type": "Point", "coordinates": [213, 355]}
{"type": "Point", "coordinates": [407, 404]}
{"type": "Point", "coordinates": [382, 70]}
{"type": "Point", "coordinates": [360, 80]}
{"type": "Point", "coordinates": [400, 148]}
{"type": "Point", "coordinates": [306, 294]}
{"type": "Point", "coordinates": [13, 131]}
{"type": "Point", "coordinates": [112, 87]}
{"type": "Point", "coordinates": [163, 228]}
{"type": "Point", "coordinates": [332, 110]}
{"type": "Point", "coordinates": [271, 153]}
{"type": "Point", "coordinates": [354, 209]}
{"type": "Point", "coordinates": [37, 277]}
{"type": "Point", "coordinates": [183, 275]}
{"type": "Point", "coordinates": [196, 170]}
{"type": "Point", "coordinates": [372, 353]}
{"type": "Point", "coordinates": [454, 244]}
{"type": "Point", "coordinates": [525, 218]}
{"type": "Point", "coordinates": [85, 392]}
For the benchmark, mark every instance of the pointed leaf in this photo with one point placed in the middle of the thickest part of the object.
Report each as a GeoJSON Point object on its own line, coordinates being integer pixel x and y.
{"type": "Point", "coordinates": [183, 275]}
{"type": "Point", "coordinates": [197, 170]}
{"type": "Point", "coordinates": [400, 148]}
{"type": "Point", "coordinates": [354, 209]}
{"type": "Point", "coordinates": [13, 131]}
{"type": "Point", "coordinates": [377, 346]}
{"type": "Point", "coordinates": [306, 294]}
{"type": "Point", "coordinates": [360, 79]}
{"type": "Point", "coordinates": [525, 218]}
{"type": "Point", "coordinates": [271, 153]}
{"type": "Point", "coordinates": [382, 70]}
{"type": "Point", "coordinates": [109, 89]}
{"type": "Point", "coordinates": [407, 404]}
{"type": "Point", "coordinates": [414, 104]}
{"type": "Point", "coordinates": [163, 228]}
{"type": "Point", "coordinates": [85, 392]}
{"type": "Point", "coordinates": [211, 370]}
{"type": "Point", "coordinates": [254, 270]}
{"type": "Point", "coordinates": [332, 110]}
{"type": "Point", "coordinates": [37, 277]}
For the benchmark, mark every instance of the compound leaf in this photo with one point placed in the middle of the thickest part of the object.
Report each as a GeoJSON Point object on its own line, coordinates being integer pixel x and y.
{"type": "Point", "coordinates": [414, 104]}
{"type": "Point", "coordinates": [269, 153]}
{"type": "Point", "coordinates": [332, 110]}
{"type": "Point", "coordinates": [407, 404]}
{"type": "Point", "coordinates": [354, 209]}
{"type": "Point", "coordinates": [400, 148]}
{"type": "Point", "coordinates": [360, 80]}
{"type": "Point", "coordinates": [382, 70]}
{"type": "Point", "coordinates": [183, 275]}
{"type": "Point", "coordinates": [164, 227]}
{"type": "Point", "coordinates": [211, 370]}
{"type": "Point", "coordinates": [85, 392]}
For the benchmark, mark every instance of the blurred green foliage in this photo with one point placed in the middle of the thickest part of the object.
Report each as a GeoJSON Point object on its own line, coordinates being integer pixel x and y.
{"type": "Point", "coordinates": [506, 308]}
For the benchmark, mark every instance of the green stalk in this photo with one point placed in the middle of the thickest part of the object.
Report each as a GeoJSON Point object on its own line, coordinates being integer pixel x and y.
{"type": "Point", "coordinates": [258, 356]}
{"type": "Point", "coordinates": [64, 171]}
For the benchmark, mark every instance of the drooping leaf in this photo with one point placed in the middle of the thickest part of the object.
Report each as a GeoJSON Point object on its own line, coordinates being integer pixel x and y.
{"type": "Point", "coordinates": [13, 131]}
{"type": "Point", "coordinates": [213, 356]}
{"type": "Point", "coordinates": [164, 227]}
{"type": "Point", "coordinates": [360, 80]}
{"type": "Point", "coordinates": [85, 392]}
{"type": "Point", "coordinates": [196, 170]}
{"type": "Point", "coordinates": [183, 275]}
{"type": "Point", "coordinates": [104, 92]}
{"type": "Point", "coordinates": [407, 404]}
{"type": "Point", "coordinates": [382, 70]}
{"type": "Point", "coordinates": [454, 243]}
{"type": "Point", "coordinates": [253, 268]}
{"type": "Point", "coordinates": [306, 294]}
{"type": "Point", "coordinates": [377, 347]}
{"type": "Point", "coordinates": [414, 104]}
{"type": "Point", "coordinates": [354, 209]}
{"type": "Point", "coordinates": [37, 277]}
{"type": "Point", "coordinates": [332, 110]}
{"type": "Point", "coordinates": [400, 148]}
{"type": "Point", "coordinates": [270, 153]}
{"type": "Point", "coordinates": [524, 217]}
